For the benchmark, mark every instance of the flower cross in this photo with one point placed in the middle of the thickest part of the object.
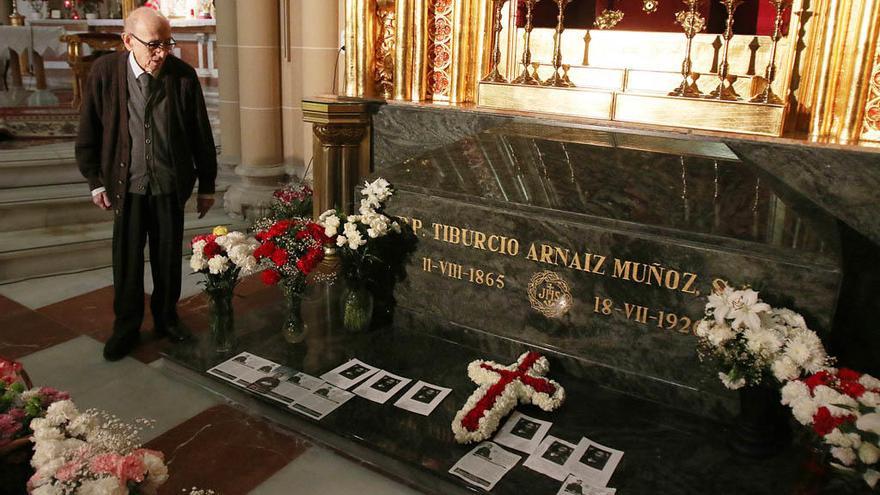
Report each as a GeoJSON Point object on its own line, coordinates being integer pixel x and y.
{"type": "Point", "coordinates": [501, 388]}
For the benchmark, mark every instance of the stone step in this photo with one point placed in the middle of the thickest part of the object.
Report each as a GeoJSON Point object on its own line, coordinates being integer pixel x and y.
{"type": "Point", "coordinates": [36, 207]}
{"type": "Point", "coordinates": [26, 208]}
{"type": "Point", "coordinates": [50, 164]}
{"type": "Point", "coordinates": [55, 250]}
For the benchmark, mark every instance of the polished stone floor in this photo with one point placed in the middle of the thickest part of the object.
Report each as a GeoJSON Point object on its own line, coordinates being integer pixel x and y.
{"type": "Point", "coordinates": [56, 325]}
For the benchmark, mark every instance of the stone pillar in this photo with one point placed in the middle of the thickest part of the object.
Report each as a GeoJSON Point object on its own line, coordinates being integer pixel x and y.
{"type": "Point", "coordinates": [341, 150]}
{"type": "Point", "coordinates": [261, 169]}
{"type": "Point", "coordinates": [308, 58]}
{"type": "Point", "coordinates": [227, 61]}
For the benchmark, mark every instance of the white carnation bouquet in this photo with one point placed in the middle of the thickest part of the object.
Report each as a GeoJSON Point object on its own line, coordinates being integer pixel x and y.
{"type": "Point", "coordinates": [842, 407]}
{"type": "Point", "coordinates": [753, 341]}
{"type": "Point", "coordinates": [222, 256]}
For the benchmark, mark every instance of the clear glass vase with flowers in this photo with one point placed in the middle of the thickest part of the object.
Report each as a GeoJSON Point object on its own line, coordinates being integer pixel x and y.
{"type": "Point", "coordinates": [289, 251]}
{"type": "Point", "coordinates": [223, 257]}
{"type": "Point", "coordinates": [364, 241]}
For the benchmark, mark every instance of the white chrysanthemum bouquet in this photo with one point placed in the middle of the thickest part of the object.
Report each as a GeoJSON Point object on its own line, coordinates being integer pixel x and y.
{"type": "Point", "coordinates": [753, 342]}
{"type": "Point", "coordinates": [223, 256]}
{"type": "Point", "coordinates": [842, 407]}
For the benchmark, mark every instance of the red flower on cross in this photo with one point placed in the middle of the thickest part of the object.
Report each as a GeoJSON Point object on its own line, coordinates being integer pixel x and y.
{"type": "Point", "coordinates": [501, 388]}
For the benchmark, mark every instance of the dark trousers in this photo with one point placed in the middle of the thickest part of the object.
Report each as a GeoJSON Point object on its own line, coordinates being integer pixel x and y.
{"type": "Point", "coordinates": [158, 219]}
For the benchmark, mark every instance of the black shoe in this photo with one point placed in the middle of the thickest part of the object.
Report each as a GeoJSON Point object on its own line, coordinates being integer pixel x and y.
{"type": "Point", "coordinates": [119, 345]}
{"type": "Point", "coordinates": [175, 333]}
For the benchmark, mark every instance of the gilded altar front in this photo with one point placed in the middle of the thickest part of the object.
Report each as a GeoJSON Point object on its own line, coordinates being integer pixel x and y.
{"type": "Point", "coordinates": [814, 72]}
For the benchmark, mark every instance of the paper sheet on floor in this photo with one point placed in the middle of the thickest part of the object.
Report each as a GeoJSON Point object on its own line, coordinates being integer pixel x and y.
{"type": "Point", "coordinates": [523, 433]}
{"type": "Point", "coordinates": [422, 398]}
{"type": "Point", "coordinates": [349, 374]}
{"type": "Point", "coordinates": [485, 465]}
{"type": "Point", "coordinates": [286, 385]}
{"type": "Point", "coordinates": [244, 369]}
{"type": "Point", "coordinates": [576, 486]}
{"type": "Point", "coordinates": [593, 462]}
{"type": "Point", "coordinates": [550, 457]}
{"type": "Point", "coordinates": [322, 401]}
{"type": "Point", "coordinates": [381, 386]}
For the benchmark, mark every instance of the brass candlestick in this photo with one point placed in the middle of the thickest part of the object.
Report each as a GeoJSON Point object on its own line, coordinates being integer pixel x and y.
{"type": "Point", "coordinates": [767, 95]}
{"type": "Point", "coordinates": [692, 23]}
{"type": "Point", "coordinates": [556, 79]}
{"type": "Point", "coordinates": [15, 19]}
{"type": "Point", "coordinates": [526, 77]}
{"type": "Point", "coordinates": [494, 75]}
{"type": "Point", "coordinates": [725, 90]}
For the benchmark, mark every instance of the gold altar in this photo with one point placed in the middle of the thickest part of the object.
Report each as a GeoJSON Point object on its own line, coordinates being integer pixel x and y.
{"type": "Point", "coordinates": [820, 81]}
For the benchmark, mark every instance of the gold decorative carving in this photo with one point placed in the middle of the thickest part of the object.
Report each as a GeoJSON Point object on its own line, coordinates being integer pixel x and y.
{"type": "Point", "coordinates": [549, 294]}
{"type": "Point", "coordinates": [608, 19]}
{"type": "Point", "coordinates": [557, 79]}
{"type": "Point", "coordinates": [692, 22]}
{"type": "Point", "coordinates": [339, 135]}
{"type": "Point", "coordinates": [650, 6]}
{"type": "Point", "coordinates": [440, 34]}
{"type": "Point", "coordinates": [767, 96]}
{"type": "Point", "coordinates": [871, 126]}
{"type": "Point", "coordinates": [725, 90]}
{"type": "Point", "coordinates": [384, 71]}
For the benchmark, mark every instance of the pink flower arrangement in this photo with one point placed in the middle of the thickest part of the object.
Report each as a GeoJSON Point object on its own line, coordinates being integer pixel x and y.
{"type": "Point", "coordinates": [10, 371]}
{"type": "Point", "coordinates": [20, 405]}
{"type": "Point", "coordinates": [89, 452]}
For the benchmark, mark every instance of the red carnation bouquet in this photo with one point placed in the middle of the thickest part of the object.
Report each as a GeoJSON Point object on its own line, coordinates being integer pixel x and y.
{"type": "Point", "coordinates": [291, 249]}
{"type": "Point", "coordinates": [842, 407]}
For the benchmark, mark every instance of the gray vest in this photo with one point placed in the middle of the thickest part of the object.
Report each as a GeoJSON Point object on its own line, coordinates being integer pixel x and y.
{"type": "Point", "coordinates": [149, 122]}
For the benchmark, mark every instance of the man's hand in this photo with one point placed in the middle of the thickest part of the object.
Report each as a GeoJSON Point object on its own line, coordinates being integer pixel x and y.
{"type": "Point", "coordinates": [203, 205]}
{"type": "Point", "coordinates": [101, 200]}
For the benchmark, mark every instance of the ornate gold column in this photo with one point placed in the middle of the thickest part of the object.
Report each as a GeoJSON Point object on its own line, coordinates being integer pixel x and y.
{"type": "Point", "coordinates": [359, 39]}
{"type": "Point", "coordinates": [261, 169]}
{"type": "Point", "coordinates": [420, 54]}
{"type": "Point", "coordinates": [227, 61]}
{"type": "Point", "coordinates": [403, 62]}
{"type": "Point", "coordinates": [341, 150]}
{"type": "Point", "coordinates": [848, 127]}
{"type": "Point", "coordinates": [842, 75]}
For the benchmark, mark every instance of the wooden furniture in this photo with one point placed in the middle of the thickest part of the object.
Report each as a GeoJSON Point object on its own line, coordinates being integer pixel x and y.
{"type": "Point", "coordinates": [100, 44]}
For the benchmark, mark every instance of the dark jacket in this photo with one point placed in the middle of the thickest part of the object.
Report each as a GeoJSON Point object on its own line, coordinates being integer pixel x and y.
{"type": "Point", "coordinates": [103, 144]}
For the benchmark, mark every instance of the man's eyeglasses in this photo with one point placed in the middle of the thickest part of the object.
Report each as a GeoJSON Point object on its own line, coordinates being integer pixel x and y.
{"type": "Point", "coordinates": [157, 45]}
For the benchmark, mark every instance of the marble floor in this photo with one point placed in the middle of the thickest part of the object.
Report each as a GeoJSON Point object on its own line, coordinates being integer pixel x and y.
{"type": "Point", "coordinates": [56, 327]}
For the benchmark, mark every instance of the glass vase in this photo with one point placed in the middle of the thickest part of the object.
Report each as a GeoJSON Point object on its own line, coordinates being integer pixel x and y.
{"type": "Point", "coordinates": [357, 308]}
{"type": "Point", "coordinates": [222, 319]}
{"type": "Point", "coordinates": [293, 329]}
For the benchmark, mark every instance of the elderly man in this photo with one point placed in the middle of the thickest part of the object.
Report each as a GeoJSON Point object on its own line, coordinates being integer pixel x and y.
{"type": "Point", "coordinates": [144, 139]}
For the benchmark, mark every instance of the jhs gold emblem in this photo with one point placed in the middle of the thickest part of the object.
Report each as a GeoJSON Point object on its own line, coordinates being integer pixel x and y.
{"type": "Point", "coordinates": [549, 294]}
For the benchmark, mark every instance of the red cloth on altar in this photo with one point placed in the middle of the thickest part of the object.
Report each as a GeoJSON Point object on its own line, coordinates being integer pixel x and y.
{"type": "Point", "coordinates": [752, 17]}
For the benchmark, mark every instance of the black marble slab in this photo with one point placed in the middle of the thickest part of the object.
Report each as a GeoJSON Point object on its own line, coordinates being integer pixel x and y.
{"type": "Point", "coordinates": [658, 219]}
{"type": "Point", "coordinates": [666, 450]}
{"type": "Point", "coordinates": [845, 182]}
